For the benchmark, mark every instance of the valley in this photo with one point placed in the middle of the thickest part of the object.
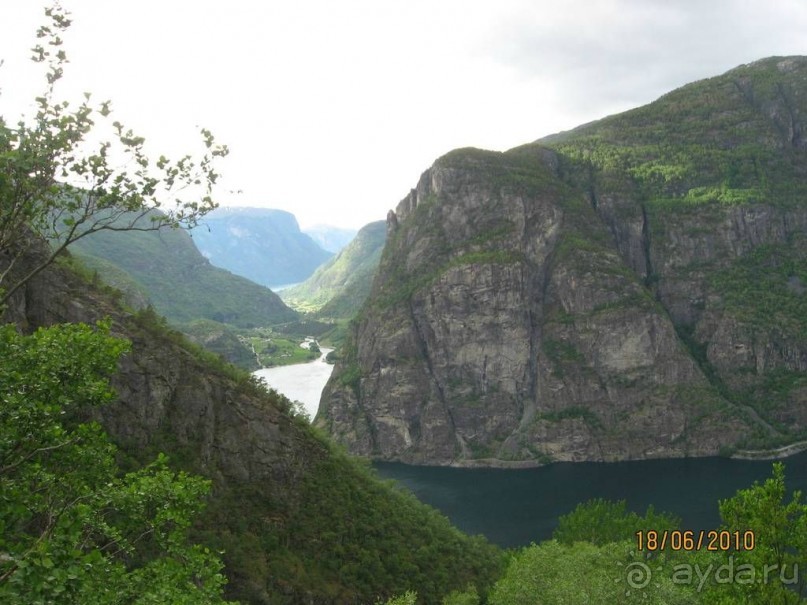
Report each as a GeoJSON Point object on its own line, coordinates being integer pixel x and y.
{"type": "Point", "coordinates": [541, 356]}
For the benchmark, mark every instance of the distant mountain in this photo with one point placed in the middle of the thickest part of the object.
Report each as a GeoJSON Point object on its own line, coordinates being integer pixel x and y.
{"type": "Point", "coordinates": [332, 239]}
{"type": "Point", "coordinates": [261, 244]}
{"type": "Point", "coordinates": [339, 287]}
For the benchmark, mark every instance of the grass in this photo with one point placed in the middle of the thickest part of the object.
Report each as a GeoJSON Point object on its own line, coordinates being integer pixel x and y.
{"type": "Point", "coordinates": [273, 349]}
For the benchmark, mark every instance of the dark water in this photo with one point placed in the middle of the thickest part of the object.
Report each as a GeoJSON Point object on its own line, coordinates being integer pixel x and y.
{"type": "Point", "coordinates": [516, 507]}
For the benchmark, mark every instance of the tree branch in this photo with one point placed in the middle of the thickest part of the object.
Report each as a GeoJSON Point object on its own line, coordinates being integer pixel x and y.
{"type": "Point", "coordinates": [40, 450]}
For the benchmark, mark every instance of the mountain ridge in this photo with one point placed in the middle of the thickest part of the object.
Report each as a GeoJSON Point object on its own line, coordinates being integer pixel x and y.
{"type": "Point", "coordinates": [166, 266]}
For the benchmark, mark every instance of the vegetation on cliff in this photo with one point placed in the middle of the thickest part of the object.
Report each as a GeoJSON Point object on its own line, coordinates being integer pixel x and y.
{"type": "Point", "coordinates": [180, 282]}
{"type": "Point", "coordinates": [75, 528]}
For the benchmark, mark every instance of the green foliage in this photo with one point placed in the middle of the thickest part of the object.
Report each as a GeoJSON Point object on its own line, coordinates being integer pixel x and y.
{"type": "Point", "coordinates": [336, 532]}
{"type": "Point", "coordinates": [275, 350]}
{"type": "Point", "coordinates": [350, 375]}
{"type": "Point", "coordinates": [602, 522]}
{"type": "Point", "coordinates": [488, 257]}
{"type": "Point", "coordinates": [780, 533]}
{"type": "Point", "coordinates": [223, 340]}
{"type": "Point", "coordinates": [518, 171]}
{"type": "Point", "coordinates": [116, 282]}
{"type": "Point", "coordinates": [574, 411]}
{"type": "Point", "coordinates": [575, 563]}
{"type": "Point", "coordinates": [408, 598]}
{"type": "Point", "coordinates": [152, 325]}
{"type": "Point", "coordinates": [340, 286]}
{"type": "Point", "coordinates": [767, 288]}
{"type": "Point", "coordinates": [469, 596]}
{"type": "Point", "coordinates": [558, 574]}
{"type": "Point", "coordinates": [74, 530]}
{"type": "Point", "coordinates": [380, 540]}
{"type": "Point", "coordinates": [561, 351]}
{"type": "Point", "coordinates": [344, 537]}
{"type": "Point", "coordinates": [51, 185]}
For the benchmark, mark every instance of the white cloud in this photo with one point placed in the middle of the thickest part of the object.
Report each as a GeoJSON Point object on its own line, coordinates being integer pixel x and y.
{"type": "Point", "coordinates": [333, 109]}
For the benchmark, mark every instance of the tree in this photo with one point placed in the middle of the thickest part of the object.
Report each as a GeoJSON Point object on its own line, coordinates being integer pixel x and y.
{"type": "Point", "coordinates": [56, 185]}
{"type": "Point", "coordinates": [777, 557]}
{"type": "Point", "coordinates": [73, 529]}
{"type": "Point", "coordinates": [553, 573]}
{"type": "Point", "coordinates": [601, 521]}
{"type": "Point", "coordinates": [408, 598]}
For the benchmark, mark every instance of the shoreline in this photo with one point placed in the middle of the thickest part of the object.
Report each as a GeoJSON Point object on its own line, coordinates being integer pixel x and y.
{"type": "Point", "coordinates": [779, 453]}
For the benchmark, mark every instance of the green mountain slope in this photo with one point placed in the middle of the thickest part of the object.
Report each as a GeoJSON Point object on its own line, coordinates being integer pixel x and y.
{"type": "Point", "coordinates": [633, 288]}
{"type": "Point", "coordinates": [261, 244]}
{"type": "Point", "coordinates": [180, 282]}
{"type": "Point", "coordinates": [339, 287]}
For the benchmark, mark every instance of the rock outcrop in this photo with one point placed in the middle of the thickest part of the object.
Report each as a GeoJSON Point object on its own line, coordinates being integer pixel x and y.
{"type": "Point", "coordinates": [631, 289]}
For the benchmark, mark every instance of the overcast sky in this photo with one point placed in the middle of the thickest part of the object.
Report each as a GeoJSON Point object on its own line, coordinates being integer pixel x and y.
{"type": "Point", "coordinates": [332, 109]}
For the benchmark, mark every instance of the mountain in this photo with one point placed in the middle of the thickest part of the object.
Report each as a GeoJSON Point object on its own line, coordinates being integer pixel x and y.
{"type": "Point", "coordinates": [329, 238]}
{"type": "Point", "coordinates": [634, 288]}
{"type": "Point", "coordinates": [296, 519]}
{"type": "Point", "coordinates": [166, 267]}
{"type": "Point", "coordinates": [261, 244]}
{"type": "Point", "coordinates": [339, 287]}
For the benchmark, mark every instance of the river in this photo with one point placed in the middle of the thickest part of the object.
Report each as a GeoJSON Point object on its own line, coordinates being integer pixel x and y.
{"type": "Point", "coordinates": [516, 507]}
{"type": "Point", "coordinates": [301, 382]}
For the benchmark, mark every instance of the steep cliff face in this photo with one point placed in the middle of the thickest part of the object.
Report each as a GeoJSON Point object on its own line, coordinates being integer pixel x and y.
{"type": "Point", "coordinates": [631, 289]}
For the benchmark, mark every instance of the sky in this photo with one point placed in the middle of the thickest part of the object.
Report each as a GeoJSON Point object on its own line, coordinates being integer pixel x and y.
{"type": "Point", "coordinates": [333, 109]}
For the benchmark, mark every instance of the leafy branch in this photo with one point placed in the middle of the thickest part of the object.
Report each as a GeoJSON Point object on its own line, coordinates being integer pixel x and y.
{"type": "Point", "coordinates": [57, 185]}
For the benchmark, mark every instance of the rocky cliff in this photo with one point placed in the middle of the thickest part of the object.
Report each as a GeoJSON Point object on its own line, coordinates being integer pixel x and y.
{"type": "Point", "coordinates": [635, 288]}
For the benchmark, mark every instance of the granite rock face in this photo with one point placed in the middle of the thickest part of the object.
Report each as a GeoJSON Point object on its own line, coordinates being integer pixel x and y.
{"type": "Point", "coordinates": [594, 296]}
